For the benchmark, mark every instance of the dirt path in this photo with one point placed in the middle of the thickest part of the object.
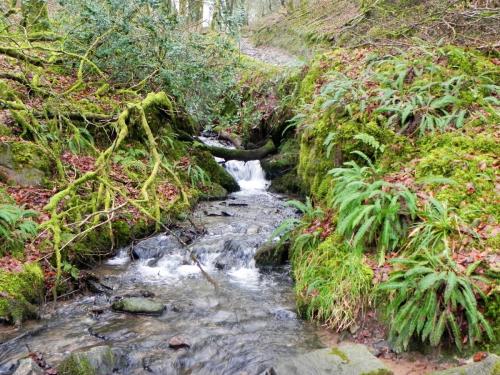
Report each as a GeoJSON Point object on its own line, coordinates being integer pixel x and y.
{"type": "Point", "coordinates": [270, 55]}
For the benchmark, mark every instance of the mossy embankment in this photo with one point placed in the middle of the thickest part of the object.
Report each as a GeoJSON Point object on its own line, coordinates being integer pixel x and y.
{"type": "Point", "coordinates": [86, 166]}
{"type": "Point", "coordinates": [397, 151]}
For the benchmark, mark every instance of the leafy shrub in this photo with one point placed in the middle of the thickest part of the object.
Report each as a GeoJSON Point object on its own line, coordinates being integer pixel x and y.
{"type": "Point", "coordinates": [370, 210]}
{"type": "Point", "coordinates": [431, 298]}
{"type": "Point", "coordinates": [16, 227]}
{"type": "Point", "coordinates": [333, 284]}
{"type": "Point", "coordinates": [145, 44]}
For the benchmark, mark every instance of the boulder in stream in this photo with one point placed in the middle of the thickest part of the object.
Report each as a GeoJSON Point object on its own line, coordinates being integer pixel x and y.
{"type": "Point", "coordinates": [346, 359]}
{"type": "Point", "coordinates": [271, 254]}
{"type": "Point", "coordinates": [138, 305]}
{"type": "Point", "coordinates": [99, 360]}
{"type": "Point", "coordinates": [155, 247]}
{"type": "Point", "coordinates": [178, 342]}
{"type": "Point", "coordinates": [28, 366]}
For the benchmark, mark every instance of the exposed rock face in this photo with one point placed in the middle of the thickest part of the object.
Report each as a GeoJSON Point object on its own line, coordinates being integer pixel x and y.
{"type": "Point", "coordinates": [488, 366]}
{"type": "Point", "coordinates": [346, 359]}
{"type": "Point", "coordinates": [139, 305]}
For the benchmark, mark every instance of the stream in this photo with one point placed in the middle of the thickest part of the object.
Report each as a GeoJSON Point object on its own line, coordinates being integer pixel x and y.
{"type": "Point", "coordinates": [243, 327]}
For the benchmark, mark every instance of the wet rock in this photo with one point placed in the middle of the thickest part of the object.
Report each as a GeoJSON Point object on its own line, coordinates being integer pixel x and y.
{"type": "Point", "coordinates": [115, 331]}
{"type": "Point", "coordinates": [282, 314]}
{"type": "Point", "coordinates": [139, 305]}
{"type": "Point", "coordinates": [28, 367]}
{"type": "Point", "coordinates": [178, 342]}
{"type": "Point", "coordinates": [97, 285]}
{"type": "Point", "coordinates": [380, 347]}
{"type": "Point", "coordinates": [155, 247]}
{"type": "Point", "coordinates": [253, 229]}
{"type": "Point", "coordinates": [218, 213]}
{"type": "Point", "coordinates": [271, 254]}
{"type": "Point", "coordinates": [488, 366]}
{"type": "Point", "coordinates": [214, 192]}
{"type": "Point", "coordinates": [99, 360]}
{"type": "Point", "coordinates": [268, 371]}
{"type": "Point", "coordinates": [157, 364]}
{"type": "Point", "coordinates": [346, 359]}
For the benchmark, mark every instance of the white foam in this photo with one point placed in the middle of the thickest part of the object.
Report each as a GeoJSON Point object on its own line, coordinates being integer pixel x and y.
{"type": "Point", "coordinates": [120, 259]}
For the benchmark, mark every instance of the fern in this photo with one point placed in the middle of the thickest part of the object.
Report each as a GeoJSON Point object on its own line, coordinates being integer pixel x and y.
{"type": "Point", "coordinates": [16, 227]}
{"type": "Point", "coordinates": [370, 211]}
{"type": "Point", "coordinates": [198, 176]}
{"type": "Point", "coordinates": [438, 223]}
{"type": "Point", "coordinates": [430, 296]}
{"type": "Point", "coordinates": [370, 141]}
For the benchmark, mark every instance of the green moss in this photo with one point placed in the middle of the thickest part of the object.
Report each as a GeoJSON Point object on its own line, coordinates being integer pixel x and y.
{"type": "Point", "coordinates": [5, 92]}
{"type": "Point", "coordinates": [217, 173]}
{"type": "Point", "coordinates": [29, 154]}
{"type": "Point", "coordinates": [4, 130]}
{"type": "Point", "coordinates": [333, 283]}
{"type": "Point", "coordinates": [381, 371]}
{"type": "Point", "coordinates": [213, 192]}
{"type": "Point", "coordinates": [470, 162]}
{"type": "Point", "coordinates": [35, 15]}
{"type": "Point", "coordinates": [75, 365]}
{"type": "Point", "coordinates": [339, 353]}
{"type": "Point", "coordinates": [283, 162]}
{"type": "Point", "coordinates": [286, 184]}
{"type": "Point", "coordinates": [20, 290]}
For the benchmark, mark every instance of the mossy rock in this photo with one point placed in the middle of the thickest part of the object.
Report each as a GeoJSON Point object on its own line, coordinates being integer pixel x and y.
{"type": "Point", "coordinates": [488, 366]}
{"type": "Point", "coordinates": [271, 254]}
{"type": "Point", "coordinates": [217, 173]}
{"type": "Point", "coordinates": [24, 163]}
{"type": "Point", "coordinates": [286, 184]}
{"type": "Point", "coordinates": [99, 360]}
{"type": "Point", "coordinates": [19, 292]}
{"type": "Point", "coordinates": [213, 192]}
{"type": "Point", "coordinates": [346, 359]}
{"type": "Point", "coordinates": [283, 162]}
{"type": "Point", "coordinates": [139, 305]}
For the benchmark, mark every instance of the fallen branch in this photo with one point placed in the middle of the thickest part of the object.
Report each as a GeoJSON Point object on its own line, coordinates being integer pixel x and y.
{"type": "Point", "coordinates": [243, 155]}
{"type": "Point", "coordinates": [13, 52]}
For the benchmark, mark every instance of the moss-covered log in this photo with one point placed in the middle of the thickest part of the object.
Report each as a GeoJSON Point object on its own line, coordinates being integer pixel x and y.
{"type": "Point", "coordinates": [243, 155]}
{"type": "Point", "coordinates": [15, 53]}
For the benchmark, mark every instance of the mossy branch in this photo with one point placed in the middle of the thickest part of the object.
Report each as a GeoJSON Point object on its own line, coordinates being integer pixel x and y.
{"type": "Point", "coordinates": [243, 155]}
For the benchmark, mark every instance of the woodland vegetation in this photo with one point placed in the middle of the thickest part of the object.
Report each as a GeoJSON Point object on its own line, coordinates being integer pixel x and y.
{"type": "Point", "coordinates": [387, 126]}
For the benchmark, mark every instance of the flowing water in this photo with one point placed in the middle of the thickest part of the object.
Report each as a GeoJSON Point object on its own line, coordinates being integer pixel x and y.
{"type": "Point", "coordinates": [243, 327]}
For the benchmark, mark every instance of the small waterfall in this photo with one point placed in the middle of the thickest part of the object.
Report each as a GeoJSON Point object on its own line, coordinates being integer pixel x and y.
{"type": "Point", "coordinates": [249, 175]}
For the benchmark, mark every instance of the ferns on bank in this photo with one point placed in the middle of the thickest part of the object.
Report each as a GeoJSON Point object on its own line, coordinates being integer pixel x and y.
{"type": "Point", "coordinates": [432, 299]}
{"type": "Point", "coordinates": [371, 211]}
{"type": "Point", "coordinates": [16, 227]}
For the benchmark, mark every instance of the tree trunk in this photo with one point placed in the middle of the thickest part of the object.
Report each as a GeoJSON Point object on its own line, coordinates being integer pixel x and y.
{"type": "Point", "coordinates": [243, 155]}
